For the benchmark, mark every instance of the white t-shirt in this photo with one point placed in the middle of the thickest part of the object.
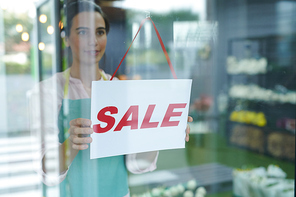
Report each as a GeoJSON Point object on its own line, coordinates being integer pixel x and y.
{"type": "Point", "coordinates": [45, 101]}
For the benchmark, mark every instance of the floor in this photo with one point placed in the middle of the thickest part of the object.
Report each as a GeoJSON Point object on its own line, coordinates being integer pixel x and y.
{"type": "Point", "coordinates": [205, 151]}
{"type": "Point", "coordinates": [207, 158]}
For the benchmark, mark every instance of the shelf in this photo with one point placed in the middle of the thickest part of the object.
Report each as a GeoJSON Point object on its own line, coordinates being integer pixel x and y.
{"type": "Point", "coordinates": [261, 102]}
{"type": "Point", "coordinates": [266, 129]}
{"type": "Point", "coordinates": [269, 92]}
{"type": "Point", "coordinates": [280, 72]}
{"type": "Point", "coordinates": [269, 80]}
{"type": "Point", "coordinates": [280, 145]}
{"type": "Point", "coordinates": [276, 117]}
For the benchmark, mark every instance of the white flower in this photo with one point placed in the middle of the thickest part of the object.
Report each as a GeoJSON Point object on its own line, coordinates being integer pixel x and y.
{"type": "Point", "coordinates": [199, 195]}
{"type": "Point", "coordinates": [188, 193]}
{"type": "Point", "coordinates": [247, 66]}
{"type": "Point", "coordinates": [201, 191]}
{"type": "Point", "coordinates": [180, 188]}
{"type": "Point", "coordinates": [174, 191]}
{"type": "Point", "coordinates": [191, 184]}
{"type": "Point", "coordinates": [167, 193]}
{"type": "Point", "coordinates": [275, 171]}
{"type": "Point", "coordinates": [156, 192]}
{"type": "Point", "coordinates": [275, 97]}
{"type": "Point", "coordinates": [292, 97]}
{"type": "Point", "coordinates": [147, 194]}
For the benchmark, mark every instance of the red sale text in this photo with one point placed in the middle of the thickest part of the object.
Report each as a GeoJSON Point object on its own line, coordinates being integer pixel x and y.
{"type": "Point", "coordinates": [131, 118]}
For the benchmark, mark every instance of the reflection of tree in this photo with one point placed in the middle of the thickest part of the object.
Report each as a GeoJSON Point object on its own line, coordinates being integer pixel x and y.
{"type": "Point", "coordinates": [13, 40]}
{"type": "Point", "coordinates": [12, 37]}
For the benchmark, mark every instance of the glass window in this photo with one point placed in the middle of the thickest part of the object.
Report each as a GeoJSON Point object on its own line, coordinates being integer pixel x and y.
{"type": "Point", "coordinates": [239, 56]}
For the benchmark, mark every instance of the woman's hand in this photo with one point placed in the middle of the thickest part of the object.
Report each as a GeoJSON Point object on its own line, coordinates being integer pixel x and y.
{"type": "Point", "coordinates": [190, 119]}
{"type": "Point", "coordinates": [79, 133]}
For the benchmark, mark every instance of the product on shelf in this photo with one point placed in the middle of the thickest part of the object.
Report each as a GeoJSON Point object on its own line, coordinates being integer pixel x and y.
{"type": "Point", "coordinates": [247, 136]}
{"type": "Point", "coordinates": [249, 117]}
{"type": "Point", "coordinates": [281, 145]}
{"type": "Point", "coordinates": [249, 66]}
{"type": "Point", "coordinates": [286, 123]}
{"type": "Point", "coordinates": [261, 182]}
{"type": "Point", "coordinates": [254, 92]}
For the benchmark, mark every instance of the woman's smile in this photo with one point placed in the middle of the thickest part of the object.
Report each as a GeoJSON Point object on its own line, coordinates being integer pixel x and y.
{"type": "Point", "coordinates": [92, 52]}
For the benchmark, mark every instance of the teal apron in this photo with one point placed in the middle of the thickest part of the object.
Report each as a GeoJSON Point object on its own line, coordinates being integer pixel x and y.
{"type": "Point", "coordinates": [104, 177]}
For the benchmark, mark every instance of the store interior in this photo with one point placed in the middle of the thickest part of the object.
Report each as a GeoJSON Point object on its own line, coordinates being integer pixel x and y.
{"type": "Point", "coordinates": [245, 121]}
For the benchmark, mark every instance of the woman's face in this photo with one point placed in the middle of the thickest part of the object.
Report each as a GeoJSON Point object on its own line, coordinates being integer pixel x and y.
{"type": "Point", "coordinates": [87, 38]}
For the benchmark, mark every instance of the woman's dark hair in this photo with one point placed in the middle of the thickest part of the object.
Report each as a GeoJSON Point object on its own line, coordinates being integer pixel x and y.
{"type": "Point", "coordinates": [75, 7]}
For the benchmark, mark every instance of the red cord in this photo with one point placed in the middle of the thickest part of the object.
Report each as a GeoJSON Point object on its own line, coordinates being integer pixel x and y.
{"type": "Point", "coordinates": [161, 43]}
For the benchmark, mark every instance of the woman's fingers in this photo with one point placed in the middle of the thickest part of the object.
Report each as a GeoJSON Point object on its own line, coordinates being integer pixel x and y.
{"type": "Point", "coordinates": [76, 130]}
{"type": "Point", "coordinates": [80, 122]}
{"type": "Point", "coordinates": [190, 119]}
{"type": "Point", "coordinates": [80, 140]}
{"type": "Point", "coordinates": [79, 133]}
{"type": "Point", "coordinates": [187, 133]}
{"type": "Point", "coordinates": [79, 146]}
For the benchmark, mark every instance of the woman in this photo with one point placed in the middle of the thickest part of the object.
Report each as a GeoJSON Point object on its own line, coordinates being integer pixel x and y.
{"type": "Point", "coordinates": [86, 36]}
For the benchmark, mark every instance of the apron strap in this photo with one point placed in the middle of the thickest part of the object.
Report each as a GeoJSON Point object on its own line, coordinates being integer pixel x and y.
{"type": "Point", "coordinates": [66, 111]}
{"type": "Point", "coordinates": [66, 87]}
{"type": "Point", "coordinates": [162, 46]}
{"type": "Point", "coordinates": [103, 76]}
{"type": "Point", "coordinates": [67, 77]}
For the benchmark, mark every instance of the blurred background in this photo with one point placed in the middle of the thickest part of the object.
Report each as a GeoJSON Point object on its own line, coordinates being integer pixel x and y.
{"type": "Point", "coordinates": [241, 56]}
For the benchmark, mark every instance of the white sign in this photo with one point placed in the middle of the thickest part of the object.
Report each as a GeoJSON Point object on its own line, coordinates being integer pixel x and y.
{"type": "Point", "coordinates": [138, 116]}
